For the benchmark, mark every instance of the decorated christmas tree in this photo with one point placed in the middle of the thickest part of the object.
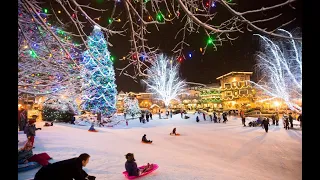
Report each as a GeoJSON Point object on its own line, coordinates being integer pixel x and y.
{"type": "Point", "coordinates": [98, 77]}
{"type": "Point", "coordinates": [131, 107]}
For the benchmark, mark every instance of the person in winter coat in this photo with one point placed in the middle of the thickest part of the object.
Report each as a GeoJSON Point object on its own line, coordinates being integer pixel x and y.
{"type": "Point", "coordinates": [73, 120]}
{"type": "Point", "coordinates": [132, 167]}
{"type": "Point", "coordinates": [171, 113]}
{"type": "Point", "coordinates": [243, 120]}
{"type": "Point", "coordinates": [30, 129]}
{"type": "Point", "coordinates": [224, 116]}
{"type": "Point", "coordinates": [214, 117]}
{"type": "Point", "coordinates": [204, 116]}
{"type": "Point", "coordinates": [66, 170]}
{"type": "Point", "coordinates": [23, 119]}
{"type": "Point", "coordinates": [273, 117]}
{"type": "Point", "coordinates": [291, 120]}
{"type": "Point", "coordinates": [210, 116]}
{"type": "Point", "coordinates": [277, 119]}
{"type": "Point", "coordinates": [144, 139]}
{"type": "Point", "coordinates": [174, 131]}
{"type": "Point", "coordinates": [151, 116]}
{"type": "Point", "coordinates": [147, 117]}
{"type": "Point", "coordinates": [300, 119]}
{"type": "Point", "coordinates": [286, 122]}
{"type": "Point", "coordinates": [265, 124]}
{"type": "Point", "coordinates": [197, 119]}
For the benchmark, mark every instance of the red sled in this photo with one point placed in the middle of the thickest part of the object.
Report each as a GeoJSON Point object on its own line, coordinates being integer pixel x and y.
{"type": "Point", "coordinates": [92, 130]}
{"type": "Point", "coordinates": [155, 166]}
{"type": "Point", "coordinates": [146, 142]}
{"type": "Point", "coordinates": [177, 134]}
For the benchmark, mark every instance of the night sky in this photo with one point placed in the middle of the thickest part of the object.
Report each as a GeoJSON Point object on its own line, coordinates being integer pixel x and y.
{"type": "Point", "coordinates": [237, 55]}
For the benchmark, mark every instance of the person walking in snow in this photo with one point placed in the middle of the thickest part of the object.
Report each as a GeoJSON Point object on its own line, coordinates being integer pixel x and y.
{"type": "Point", "coordinates": [23, 119]}
{"type": "Point", "coordinates": [147, 117]}
{"type": "Point", "coordinates": [210, 116]}
{"type": "Point", "coordinates": [300, 119]}
{"type": "Point", "coordinates": [243, 120]}
{"type": "Point", "coordinates": [204, 116]}
{"type": "Point", "coordinates": [265, 124]}
{"type": "Point", "coordinates": [277, 119]}
{"type": "Point", "coordinates": [170, 113]}
{"type": "Point", "coordinates": [273, 117]}
{"type": "Point", "coordinates": [150, 116]}
{"type": "Point", "coordinates": [291, 120]}
{"type": "Point", "coordinates": [181, 112]}
{"type": "Point", "coordinates": [224, 116]}
{"type": "Point", "coordinates": [286, 122]}
{"type": "Point", "coordinates": [215, 117]}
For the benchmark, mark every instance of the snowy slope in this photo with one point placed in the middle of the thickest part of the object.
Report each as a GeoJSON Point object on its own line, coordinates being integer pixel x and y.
{"type": "Point", "coordinates": [205, 150]}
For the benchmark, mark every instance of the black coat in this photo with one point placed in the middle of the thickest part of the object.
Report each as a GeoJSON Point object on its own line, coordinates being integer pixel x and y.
{"type": "Point", "coordinates": [63, 170]}
{"type": "Point", "coordinates": [132, 168]}
{"type": "Point", "coordinates": [265, 122]}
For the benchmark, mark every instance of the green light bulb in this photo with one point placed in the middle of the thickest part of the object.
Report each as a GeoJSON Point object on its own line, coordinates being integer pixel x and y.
{"type": "Point", "coordinates": [110, 20]}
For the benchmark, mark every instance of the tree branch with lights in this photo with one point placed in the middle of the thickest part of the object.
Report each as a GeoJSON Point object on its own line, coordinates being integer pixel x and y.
{"type": "Point", "coordinates": [280, 64]}
{"type": "Point", "coordinates": [45, 65]}
{"type": "Point", "coordinates": [134, 19]}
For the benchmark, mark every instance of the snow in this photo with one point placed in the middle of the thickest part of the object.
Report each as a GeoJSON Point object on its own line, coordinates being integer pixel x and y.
{"type": "Point", "coordinates": [205, 150]}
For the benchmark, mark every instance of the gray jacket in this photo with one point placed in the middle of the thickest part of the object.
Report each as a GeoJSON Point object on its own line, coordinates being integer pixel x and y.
{"type": "Point", "coordinates": [30, 130]}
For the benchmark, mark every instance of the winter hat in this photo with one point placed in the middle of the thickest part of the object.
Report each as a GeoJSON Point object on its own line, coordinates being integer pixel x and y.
{"type": "Point", "coordinates": [130, 156]}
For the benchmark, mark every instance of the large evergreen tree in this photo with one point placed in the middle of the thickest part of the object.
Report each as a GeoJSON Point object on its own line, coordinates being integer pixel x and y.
{"type": "Point", "coordinates": [98, 77]}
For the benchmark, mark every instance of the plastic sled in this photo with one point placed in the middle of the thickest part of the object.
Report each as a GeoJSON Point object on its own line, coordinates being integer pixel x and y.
{"type": "Point", "coordinates": [146, 142]}
{"type": "Point", "coordinates": [28, 166]}
{"type": "Point", "coordinates": [177, 134]}
{"type": "Point", "coordinates": [93, 130]}
{"type": "Point", "coordinates": [125, 173]}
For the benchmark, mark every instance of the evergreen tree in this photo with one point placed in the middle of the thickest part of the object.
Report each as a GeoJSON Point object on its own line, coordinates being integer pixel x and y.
{"type": "Point", "coordinates": [98, 77]}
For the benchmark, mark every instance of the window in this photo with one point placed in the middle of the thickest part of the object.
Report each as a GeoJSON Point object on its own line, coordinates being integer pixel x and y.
{"type": "Point", "coordinates": [227, 85]}
{"type": "Point", "coordinates": [228, 93]}
{"type": "Point", "coordinates": [243, 91]}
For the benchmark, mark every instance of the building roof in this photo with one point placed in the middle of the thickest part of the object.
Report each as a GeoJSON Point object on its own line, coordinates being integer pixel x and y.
{"type": "Point", "coordinates": [233, 72]}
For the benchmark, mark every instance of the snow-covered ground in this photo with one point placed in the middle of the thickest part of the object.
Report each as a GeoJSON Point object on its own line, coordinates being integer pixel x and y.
{"type": "Point", "coordinates": [205, 150]}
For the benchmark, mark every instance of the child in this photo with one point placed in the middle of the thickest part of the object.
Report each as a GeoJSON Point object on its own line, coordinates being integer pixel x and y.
{"type": "Point", "coordinates": [144, 139]}
{"type": "Point", "coordinates": [132, 167]}
{"type": "Point", "coordinates": [174, 131]}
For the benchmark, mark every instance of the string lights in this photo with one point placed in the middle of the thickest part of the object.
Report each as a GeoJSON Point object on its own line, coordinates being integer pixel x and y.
{"type": "Point", "coordinates": [98, 77]}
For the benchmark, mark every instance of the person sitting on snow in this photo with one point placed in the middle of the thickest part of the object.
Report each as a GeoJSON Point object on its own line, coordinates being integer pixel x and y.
{"type": "Point", "coordinates": [92, 127]}
{"type": "Point", "coordinates": [144, 139]}
{"type": "Point", "coordinates": [132, 167]}
{"type": "Point", "coordinates": [48, 124]}
{"type": "Point", "coordinates": [66, 169]}
{"type": "Point", "coordinates": [174, 131]}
